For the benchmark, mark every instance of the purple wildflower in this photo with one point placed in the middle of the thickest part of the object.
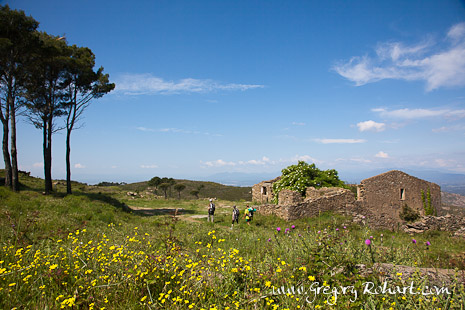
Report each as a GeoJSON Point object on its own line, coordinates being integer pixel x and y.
{"type": "Point", "coordinates": [293, 226]}
{"type": "Point", "coordinates": [428, 243]}
{"type": "Point", "coordinates": [368, 242]}
{"type": "Point", "coordinates": [269, 240]}
{"type": "Point", "coordinates": [287, 230]}
{"type": "Point", "coordinates": [278, 229]}
{"type": "Point", "coordinates": [414, 241]}
{"type": "Point", "coordinates": [337, 229]}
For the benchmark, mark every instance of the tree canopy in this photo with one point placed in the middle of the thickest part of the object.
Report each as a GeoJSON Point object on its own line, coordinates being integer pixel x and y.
{"type": "Point", "coordinates": [48, 77]}
{"type": "Point", "coordinates": [299, 177]}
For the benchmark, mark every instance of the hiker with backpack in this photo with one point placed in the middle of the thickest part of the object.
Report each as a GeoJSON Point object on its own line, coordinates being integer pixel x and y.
{"type": "Point", "coordinates": [211, 210]}
{"type": "Point", "coordinates": [249, 214]}
{"type": "Point", "coordinates": [235, 216]}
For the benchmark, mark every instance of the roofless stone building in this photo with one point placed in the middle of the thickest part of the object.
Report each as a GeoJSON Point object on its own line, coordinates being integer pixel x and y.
{"type": "Point", "coordinates": [379, 198]}
{"type": "Point", "coordinates": [386, 193]}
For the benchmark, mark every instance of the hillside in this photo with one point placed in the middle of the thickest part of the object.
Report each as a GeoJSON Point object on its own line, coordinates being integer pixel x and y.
{"type": "Point", "coordinates": [210, 189]}
{"type": "Point", "coordinates": [453, 199]}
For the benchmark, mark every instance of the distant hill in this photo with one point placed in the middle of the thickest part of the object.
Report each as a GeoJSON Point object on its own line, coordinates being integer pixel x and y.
{"type": "Point", "coordinates": [449, 182]}
{"type": "Point", "coordinates": [210, 189]}
{"type": "Point", "coordinates": [453, 199]}
{"type": "Point", "coordinates": [241, 179]}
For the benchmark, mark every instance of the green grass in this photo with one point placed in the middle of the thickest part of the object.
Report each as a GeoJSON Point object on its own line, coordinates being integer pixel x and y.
{"type": "Point", "coordinates": [83, 251]}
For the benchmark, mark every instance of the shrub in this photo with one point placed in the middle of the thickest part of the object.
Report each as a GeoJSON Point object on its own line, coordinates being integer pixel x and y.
{"type": "Point", "coordinates": [408, 214]}
{"type": "Point", "coordinates": [299, 177]}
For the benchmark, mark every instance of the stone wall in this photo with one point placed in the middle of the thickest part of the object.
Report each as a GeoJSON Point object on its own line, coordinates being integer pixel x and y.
{"type": "Point", "coordinates": [333, 200]}
{"type": "Point", "coordinates": [292, 206]}
{"type": "Point", "coordinates": [280, 211]}
{"type": "Point", "coordinates": [287, 197]}
{"type": "Point", "coordinates": [313, 193]}
{"type": "Point", "coordinates": [263, 191]}
{"type": "Point", "coordinates": [443, 223]}
{"type": "Point", "coordinates": [385, 194]}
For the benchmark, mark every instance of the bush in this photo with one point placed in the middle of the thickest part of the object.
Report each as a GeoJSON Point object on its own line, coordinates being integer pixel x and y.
{"type": "Point", "coordinates": [408, 214]}
{"type": "Point", "coordinates": [299, 177]}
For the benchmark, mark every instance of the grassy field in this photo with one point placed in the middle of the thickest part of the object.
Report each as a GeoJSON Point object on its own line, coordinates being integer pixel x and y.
{"type": "Point", "coordinates": [83, 251]}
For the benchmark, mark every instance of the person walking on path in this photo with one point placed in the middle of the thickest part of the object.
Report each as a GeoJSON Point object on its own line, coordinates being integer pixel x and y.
{"type": "Point", "coordinates": [249, 214]}
{"type": "Point", "coordinates": [211, 211]}
{"type": "Point", "coordinates": [235, 216]}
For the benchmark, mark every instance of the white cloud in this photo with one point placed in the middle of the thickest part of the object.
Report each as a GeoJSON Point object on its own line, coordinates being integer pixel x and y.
{"type": "Point", "coordinates": [38, 165]}
{"type": "Point", "coordinates": [360, 160]}
{"type": "Point", "coordinates": [382, 154]}
{"type": "Point", "coordinates": [449, 128]}
{"type": "Point", "coordinates": [219, 163]}
{"type": "Point", "coordinates": [177, 130]}
{"type": "Point", "coordinates": [148, 166]}
{"type": "Point", "coordinates": [305, 158]}
{"type": "Point", "coordinates": [264, 161]}
{"type": "Point", "coordinates": [420, 113]}
{"type": "Point", "coordinates": [421, 62]}
{"type": "Point", "coordinates": [371, 126]}
{"type": "Point", "coordinates": [442, 162]}
{"type": "Point", "coordinates": [147, 84]}
{"type": "Point", "coordinates": [79, 166]}
{"type": "Point", "coordinates": [457, 32]}
{"type": "Point", "coordinates": [340, 141]}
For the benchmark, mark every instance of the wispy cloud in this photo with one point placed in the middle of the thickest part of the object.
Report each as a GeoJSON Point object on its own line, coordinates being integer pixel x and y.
{"type": "Point", "coordinates": [449, 128]}
{"type": "Point", "coordinates": [382, 154]}
{"type": "Point", "coordinates": [421, 62]}
{"type": "Point", "coordinates": [147, 84]}
{"type": "Point", "coordinates": [264, 161]}
{"type": "Point", "coordinates": [340, 141]}
{"type": "Point", "coordinates": [218, 163]}
{"type": "Point", "coordinates": [149, 166]}
{"type": "Point", "coordinates": [177, 130]}
{"type": "Point", "coordinates": [79, 166]}
{"type": "Point", "coordinates": [420, 113]}
{"type": "Point", "coordinates": [371, 126]}
{"type": "Point", "coordinates": [38, 165]}
{"type": "Point", "coordinates": [256, 162]}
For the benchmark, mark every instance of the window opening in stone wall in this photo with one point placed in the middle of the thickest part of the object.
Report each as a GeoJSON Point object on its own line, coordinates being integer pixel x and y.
{"type": "Point", "coordinates": [402, 194]}
{"type": "Point", "coordinates": [264, 190]}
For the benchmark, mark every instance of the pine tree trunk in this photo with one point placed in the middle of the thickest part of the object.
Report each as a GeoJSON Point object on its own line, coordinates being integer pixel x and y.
{"type": "Point", "coordinates": [6, 153]}
{"type": "Point", "coordinates": [48, 156]}
{"type": "Point", "coordinates": [14, 155]}
{"type": "Point", "coordinates": [68, 162]}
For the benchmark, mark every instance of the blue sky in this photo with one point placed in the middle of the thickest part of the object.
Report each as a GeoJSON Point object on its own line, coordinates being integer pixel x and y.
{"type": "Point", "coordinates": [204, 87]}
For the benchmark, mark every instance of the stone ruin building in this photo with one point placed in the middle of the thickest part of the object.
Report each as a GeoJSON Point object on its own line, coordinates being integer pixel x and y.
{"type": "Point", "coordinates": [263, 191]}
{"type": "Point", "coordinates": [379, 199]}
{"type": "Point", "coordinates": [386, 194]}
